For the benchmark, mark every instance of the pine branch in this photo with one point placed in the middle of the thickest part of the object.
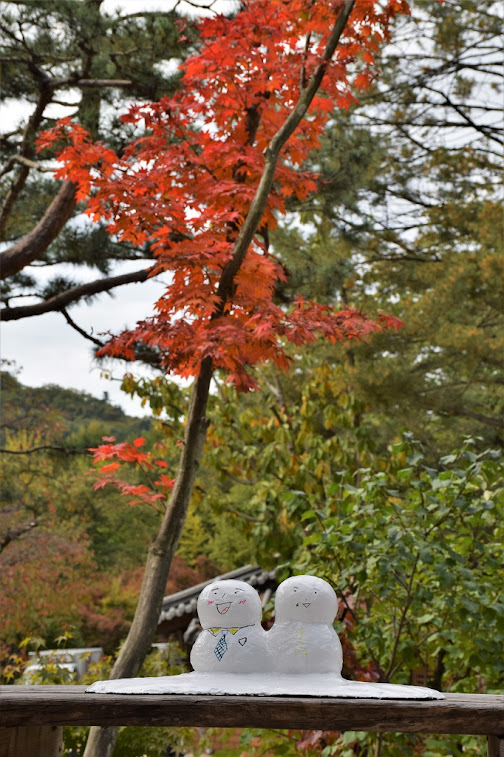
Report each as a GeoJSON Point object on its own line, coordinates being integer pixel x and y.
{"type": "Point", "coordinates": [24, 162]}
{"type": "Point", "coordinates": [26, 151]}
{"type": "Point", "coordinates": [466, 413]}
{"type": "Point", "coordinates": [36, 242]}
{"type": "Point", "coordinates": [72, 295]}
{"type": "Point", "coordinates": [89, 83]}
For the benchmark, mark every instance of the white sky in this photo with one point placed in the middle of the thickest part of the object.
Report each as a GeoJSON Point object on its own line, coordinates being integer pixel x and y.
{"type": "Point", "coordinates": [49, 351]}
{"type": "Point", "coordinates": [45, 349]}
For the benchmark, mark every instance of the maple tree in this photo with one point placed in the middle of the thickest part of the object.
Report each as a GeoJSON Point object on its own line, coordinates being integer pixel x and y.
{"type": "Point", "coordinates": [188, 192]}
{"type": "Point", "coordinates": [203, 186]}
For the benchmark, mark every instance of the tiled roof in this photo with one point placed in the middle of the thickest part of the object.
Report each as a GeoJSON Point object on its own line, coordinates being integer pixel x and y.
{"type": "Point", "coordinates": [185, 602]}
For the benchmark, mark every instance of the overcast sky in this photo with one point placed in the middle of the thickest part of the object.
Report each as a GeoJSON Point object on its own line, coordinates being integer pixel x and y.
{"type": "Point", "coordinates": [45, 349]}
{"type": "Point", "coordinates": [48, 351]}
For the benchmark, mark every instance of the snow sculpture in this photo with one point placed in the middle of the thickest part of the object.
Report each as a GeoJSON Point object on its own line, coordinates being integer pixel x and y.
{"type": "Point", "coordinates": [303, 639]}
{"type": "Point", "coordinates": [300, 656]}
{"type": "Point", "coordinates": [232, 640]}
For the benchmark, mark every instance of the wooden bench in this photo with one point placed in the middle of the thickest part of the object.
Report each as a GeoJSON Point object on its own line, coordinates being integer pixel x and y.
{"type": "Point", "coordinates": [31, 717]}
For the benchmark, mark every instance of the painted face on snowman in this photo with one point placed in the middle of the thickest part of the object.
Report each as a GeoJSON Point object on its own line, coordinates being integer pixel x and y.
{"type": "Point", "coordinates": [232, 640]}
{"type": "Point", "coordinates": [305, 598]}
{"type": "Point", "coordinates": [303, 639]}
{"type": "Point", "coordinates": [229, 603]}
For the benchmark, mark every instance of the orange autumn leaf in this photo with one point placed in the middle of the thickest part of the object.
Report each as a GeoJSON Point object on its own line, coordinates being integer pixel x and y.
{"type": "Point", "coordinates": [110, 468]}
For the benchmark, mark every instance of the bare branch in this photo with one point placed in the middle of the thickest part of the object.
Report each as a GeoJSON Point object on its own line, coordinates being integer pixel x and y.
{"type": "Point", "coordinates": [246, 517]}
{"type": "Point", "coordinates": [402, 620]}
{"type": "Point", "coordinates": [143, 353]}
{"type": "Point", "coordinates": [43, 448]}
{"type": "Point", "coordinates": [77, 328]}
{"type": "Point", "coordinates": [238, 480]}
{"type": "Point", "coordinates": [199, 6]}
{"type": "Point", "coordinates": [487, 130]}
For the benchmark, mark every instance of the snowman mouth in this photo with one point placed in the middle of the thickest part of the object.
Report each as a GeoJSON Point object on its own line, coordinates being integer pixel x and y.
{"type": "Point", "coordinates": [223, 607]}
{"type": "Point", "coordinates": [305, 604]}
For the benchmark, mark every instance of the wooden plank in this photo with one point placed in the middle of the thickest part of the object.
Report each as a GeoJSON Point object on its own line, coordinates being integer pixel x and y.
{"type": "Point", "coordinates": [71, 705]}
{"type": "Point", "coordinates": [31, 741]}
{"type": "Point", "coordinates": [495, 746]}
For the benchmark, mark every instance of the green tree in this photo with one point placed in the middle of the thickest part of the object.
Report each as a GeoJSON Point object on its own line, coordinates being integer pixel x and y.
{"type": "Point", "coordinates": [46, 561]}
{"type": "Point", "coordinates": [45, 438]}
{"type": "Point", "coordinates": [408, 216]}
{"type": "Point", "coordinates": [69, 57]}
{"type": "Point", "coordinates": [276, 455]}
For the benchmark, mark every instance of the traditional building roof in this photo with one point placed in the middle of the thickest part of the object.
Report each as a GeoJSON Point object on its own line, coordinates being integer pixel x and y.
{"type": "Point", "coordinates": [178, 611]}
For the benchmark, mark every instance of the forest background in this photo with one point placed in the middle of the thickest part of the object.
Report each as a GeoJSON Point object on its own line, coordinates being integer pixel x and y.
{"type": "Point", "coordinates": [376, 465]}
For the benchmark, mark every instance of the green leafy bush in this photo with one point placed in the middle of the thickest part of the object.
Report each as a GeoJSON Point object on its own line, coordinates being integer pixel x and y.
{"type": "Point", "coordinates": [416, 552]}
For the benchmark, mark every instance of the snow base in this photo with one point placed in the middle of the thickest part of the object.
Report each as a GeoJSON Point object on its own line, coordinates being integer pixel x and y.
{"type": "Point", "coordinates": [263, 684]}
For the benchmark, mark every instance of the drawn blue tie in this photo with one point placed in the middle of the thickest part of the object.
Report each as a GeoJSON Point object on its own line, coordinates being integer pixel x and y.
{"type": "Point", "coordinates": [221, 646]}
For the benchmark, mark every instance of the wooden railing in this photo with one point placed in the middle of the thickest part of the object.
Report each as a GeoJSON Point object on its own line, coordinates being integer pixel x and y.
{"type": "Point", "coordinates": [31, 717]}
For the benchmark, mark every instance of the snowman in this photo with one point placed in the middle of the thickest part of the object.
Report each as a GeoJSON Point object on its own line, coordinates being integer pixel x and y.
{"type": "Point", "coordinates": [232, 640]}
{"type": "Point", "coordinates": [303, 639]}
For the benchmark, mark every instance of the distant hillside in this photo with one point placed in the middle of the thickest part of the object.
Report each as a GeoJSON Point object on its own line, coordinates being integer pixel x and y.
{"type": "Point", "coordinates": [77, 418]}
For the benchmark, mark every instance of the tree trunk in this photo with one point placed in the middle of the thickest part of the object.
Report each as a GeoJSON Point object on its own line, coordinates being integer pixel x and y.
{"type": "Point", "coordinates": [101, 741]}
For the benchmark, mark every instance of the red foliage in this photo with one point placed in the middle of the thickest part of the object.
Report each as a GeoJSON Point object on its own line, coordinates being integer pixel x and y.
{"type": "Point", "coordinates": [150, 492]}
{"type": "Point", "coordinates": [44, 578]}
{"type": "Point", "coordinates": [183, 576]}
{"type": "Point", "coordinates": [105, 614]}
{"type": "Point", "coordinates": [185, 186]}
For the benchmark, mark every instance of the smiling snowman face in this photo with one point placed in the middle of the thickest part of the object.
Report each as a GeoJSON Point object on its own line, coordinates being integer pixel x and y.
{"type": "Point", "coordinates": [229, 603]}
{"type": "Point", "coordinates": [305, 598]}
